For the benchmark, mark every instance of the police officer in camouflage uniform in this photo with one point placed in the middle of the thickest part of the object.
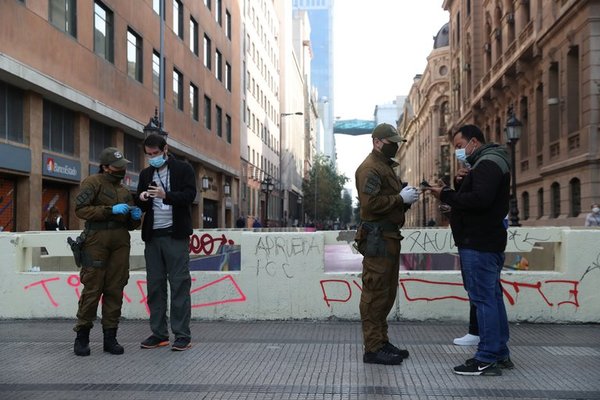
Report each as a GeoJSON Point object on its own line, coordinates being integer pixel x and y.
{"type": "Point", "coordinates": [108, 209]}
{"type": "Point", "coordinates": [383, 202]}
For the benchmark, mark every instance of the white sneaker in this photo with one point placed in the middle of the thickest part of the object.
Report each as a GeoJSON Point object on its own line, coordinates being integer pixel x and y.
{"type": "Point", "coordinates": [467, 340]}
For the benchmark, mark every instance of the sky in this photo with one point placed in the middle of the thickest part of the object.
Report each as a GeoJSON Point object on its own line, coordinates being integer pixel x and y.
{"type": "Point", "coordinates": [379, 46]}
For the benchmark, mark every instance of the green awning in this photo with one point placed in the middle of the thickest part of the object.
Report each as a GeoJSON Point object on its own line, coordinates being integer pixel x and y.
{"type": "Point", "coordinates": [354, 127]}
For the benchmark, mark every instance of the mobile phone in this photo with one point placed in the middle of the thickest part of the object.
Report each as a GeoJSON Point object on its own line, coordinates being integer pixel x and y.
{"type": "Point", "coordinates": [152, 184]}
{"type": "Point", "coordinates": [425, 184]}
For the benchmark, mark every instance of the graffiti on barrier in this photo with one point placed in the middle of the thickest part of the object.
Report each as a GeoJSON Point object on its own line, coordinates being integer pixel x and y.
{"type": "Point", "coordinates": [276, 254]}
{"type": "Point", "coordinates": [553, 292]}
{"type": "Point", "coordinates": [227, 291]}
{"type": "Point", "coordinates": [205, 244]}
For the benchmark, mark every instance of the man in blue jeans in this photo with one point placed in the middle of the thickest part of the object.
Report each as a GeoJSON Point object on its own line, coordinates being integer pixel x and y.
{"type": "Point", "coordinates": [479, 204]}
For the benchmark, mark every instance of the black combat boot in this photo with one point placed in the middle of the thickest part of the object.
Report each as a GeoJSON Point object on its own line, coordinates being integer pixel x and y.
{"type": "Point", "coordinates": [110, 342]}
{"type": "Point", "coordinates": [82, 342]}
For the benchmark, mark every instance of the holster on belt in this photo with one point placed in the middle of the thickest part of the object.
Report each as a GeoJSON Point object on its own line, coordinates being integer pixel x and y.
{"type": "Point", "coordinates": [369, 240]}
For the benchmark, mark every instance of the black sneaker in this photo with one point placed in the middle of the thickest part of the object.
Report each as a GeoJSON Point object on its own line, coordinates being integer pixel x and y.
{"type": "Point", "coordinates": [504, 364]}
{"type": "Point", "coordinates": [390, 348]}
{"type": "Point", "coordinates": [381, 357]}
{"type": "Point", "coordinates": [475, 367]}
{"type": "Point", "coordinates": [181, 344]}
{"type": "Point", "coordinates": [152, 342]}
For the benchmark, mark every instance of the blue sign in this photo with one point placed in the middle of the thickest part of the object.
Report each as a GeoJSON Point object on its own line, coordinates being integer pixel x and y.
{"type": "Point", "coordinates": [15, 158]}
{"type": "Point", "coordinates": [60, 167]}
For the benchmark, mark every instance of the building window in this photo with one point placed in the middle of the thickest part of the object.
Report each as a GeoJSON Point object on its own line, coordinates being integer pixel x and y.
{"type": "Point", "coordinates": [554, 102]}
{"type": "Point", "coordinates": [228, 24]}
{"type": "Point", "coordinates": [219, 12]}
{"type": "Point", "coordinates": [207, 113]}
{"type": "Point", "coordinates": [219, 120]}
{"type": "Point", "coordinates": [193, 36]}
{"type": "Point", "coordinates": [11, 113]}
{"type": "Point", "coordinates": [178, 18]}
{"type": "Point", "coordinates": [525, 205]}
{"type": "Point", "coordinates": [207, 52]}
{"type": "Point", "coordinates": [58, 129]}
{"type": "Point", "coordinates": [219, 65]}
{"type": "Point", "coordinates": [155, 72]}
{"type": "Point", "coordinates": [63, 15]}
{"type": "Point", "coordinates": [228, 128]}
{"type": "Point", "coordinates": [103, 32]}
{"type": "Point", "coordinates": [228, 76]}
{"type": "Point", "coordinates": [574, 197]}
{"type": "Point", "coordinates": [573, 96]}
{"type": "Point", "coordinates": [555, 200]}
{"type": "Point", "coordinates": [177, 89]}
{"type": "Point", "coordinates": [134, 56]}
{"type": "Point", "coordinates": [540, 201]}
{"type": "Point", "coordinates": [156, 6]}
{"type": "Point", "coordinates": [193, 102]}
{"type": "Point", "coordinates": [208, 4]}
{"type": "Point", "coordinates": [132, 148]}
{"type": "Point", "coordinates": [100, 138]}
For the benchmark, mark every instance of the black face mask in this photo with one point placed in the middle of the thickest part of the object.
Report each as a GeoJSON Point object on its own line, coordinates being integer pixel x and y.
{"type": "Point", "coordinates": [116, 176]}
{"type": "Point", "coordinates": [389, 149]}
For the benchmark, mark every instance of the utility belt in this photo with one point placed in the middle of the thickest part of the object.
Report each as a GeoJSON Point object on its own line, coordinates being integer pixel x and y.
{"type": "Point", "coordinates": [385, 226]}
{"type": "Point", "coordinates": [104, 225]}
{"type": "Point", "coordinates": [369, 240]}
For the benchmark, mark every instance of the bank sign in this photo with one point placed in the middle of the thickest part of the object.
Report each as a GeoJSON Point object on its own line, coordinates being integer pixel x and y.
{"type": "Point", "coordinates": [60, 167]}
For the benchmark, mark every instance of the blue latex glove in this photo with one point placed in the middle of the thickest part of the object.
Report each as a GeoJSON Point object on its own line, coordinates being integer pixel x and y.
{"type": "Point", "coordinates": [120, 208]}
{"type": "Point", "coordinates": [136, 213]}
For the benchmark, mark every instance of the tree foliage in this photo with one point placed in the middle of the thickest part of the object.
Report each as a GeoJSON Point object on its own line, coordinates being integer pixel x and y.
{"type": "Point", "coordinates": [322, 189]}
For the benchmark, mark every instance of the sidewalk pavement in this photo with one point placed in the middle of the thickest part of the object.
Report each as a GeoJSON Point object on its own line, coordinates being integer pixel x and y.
{"type": "Point", "coordinates": [300, 360]}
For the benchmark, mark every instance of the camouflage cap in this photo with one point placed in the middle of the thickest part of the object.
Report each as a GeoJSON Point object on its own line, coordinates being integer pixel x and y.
{"type": "Point", "coordinates": [387, 131]}
{"type": "Point", "coordinates": [113, 157]}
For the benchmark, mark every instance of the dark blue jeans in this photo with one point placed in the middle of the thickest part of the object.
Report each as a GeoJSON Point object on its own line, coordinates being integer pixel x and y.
{"type": "Point", "coordinates": [482, 280]}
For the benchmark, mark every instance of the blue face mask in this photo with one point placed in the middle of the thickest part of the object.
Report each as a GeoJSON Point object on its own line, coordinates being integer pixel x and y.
{"type": "Point", "coordinates": [461, 154]}
{"type": "Point", "coordinates": [157, 161]}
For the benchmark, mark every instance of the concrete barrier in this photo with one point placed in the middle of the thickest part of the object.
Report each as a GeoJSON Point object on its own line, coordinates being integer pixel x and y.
{"type": "Point", "coordinates": [281, 275]}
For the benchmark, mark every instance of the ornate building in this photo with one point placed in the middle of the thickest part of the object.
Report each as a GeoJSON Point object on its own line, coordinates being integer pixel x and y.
{"type": "Point", "coordinates": [424, 123]}
{"type": "Point", "coordinates": [536, 57]}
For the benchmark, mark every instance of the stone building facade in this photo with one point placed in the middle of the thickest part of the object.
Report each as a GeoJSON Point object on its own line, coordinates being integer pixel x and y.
{"type": "Point", "coordinates": [538, 58]}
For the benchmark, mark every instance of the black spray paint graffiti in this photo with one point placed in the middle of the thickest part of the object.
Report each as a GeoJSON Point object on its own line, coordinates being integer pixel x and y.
{"type": "Point", "coordinates": [590, 268]}
{"type": "Point", "coordinates": [270, 249]}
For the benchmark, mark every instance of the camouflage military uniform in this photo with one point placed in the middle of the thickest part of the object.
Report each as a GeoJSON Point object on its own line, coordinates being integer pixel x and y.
{"type": "Point", "coordinates": [107, 245]}
{"type": "Point", "coordinates": [381, 211]}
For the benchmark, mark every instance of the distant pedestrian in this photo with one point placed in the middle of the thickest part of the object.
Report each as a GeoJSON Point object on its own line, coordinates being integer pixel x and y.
{"type": "Point", "coordinates": [593, 218]}
{"type": "Point", "coordinates": [256, 223]}
{"type": "Point", "coordinates": [240, 222]}
{"type": "Point", "coordinates": [54, 221]}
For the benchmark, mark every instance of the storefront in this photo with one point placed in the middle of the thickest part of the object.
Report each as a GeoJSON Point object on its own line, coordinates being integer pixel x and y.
{"type": "Point", "coordinates": [60, 177]}
{"type": "Point", "coordinates": [15, 164]}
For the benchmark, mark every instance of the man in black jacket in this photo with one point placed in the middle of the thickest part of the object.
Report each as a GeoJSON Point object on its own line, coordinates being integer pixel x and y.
{"type": "Point", "coordinates": [479, 204]}
{"type": "Point", "coordinates": [165, 192]}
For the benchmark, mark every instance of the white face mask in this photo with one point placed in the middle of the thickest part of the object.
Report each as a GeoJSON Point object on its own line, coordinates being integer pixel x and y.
{"type": "Point", "coordinates": [595, 210]}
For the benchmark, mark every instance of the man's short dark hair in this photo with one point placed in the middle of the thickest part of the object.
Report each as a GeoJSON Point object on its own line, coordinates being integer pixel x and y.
{"type": "Point", "coordinates": [469, 132]}
{"type": "Point", "coordinates": [154, 140]}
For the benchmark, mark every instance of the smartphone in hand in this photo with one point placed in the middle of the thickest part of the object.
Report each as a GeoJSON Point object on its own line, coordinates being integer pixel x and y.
{"type": "Point", "coordinates": [424, 184]}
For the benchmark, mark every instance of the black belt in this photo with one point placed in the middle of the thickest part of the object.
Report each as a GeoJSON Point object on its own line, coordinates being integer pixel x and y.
{"type": "Point", "coordinates": [162, 232]}
{"type": "Point", "coordinates": [385, 226]}
{"type": "Point", "coordinates": [104, 225]}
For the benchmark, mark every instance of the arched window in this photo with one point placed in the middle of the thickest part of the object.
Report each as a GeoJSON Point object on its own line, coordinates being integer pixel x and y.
{"type": "Point", "coordinates": [540, 202]}
{"type": "Point", "coordinates": [574, 197]}
{"type": "Point", "coordinates": [525, 205]}
{"type": "Point", "coordinates": [555, 200]}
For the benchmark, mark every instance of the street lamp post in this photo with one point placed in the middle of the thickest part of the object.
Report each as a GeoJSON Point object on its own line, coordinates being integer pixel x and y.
{"type": "Point", "coordinates": [154, 126]}
{"type": "Point", "coordinates": [267, 187]}
{"type": "Point", "coordinates": [513, 134]}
